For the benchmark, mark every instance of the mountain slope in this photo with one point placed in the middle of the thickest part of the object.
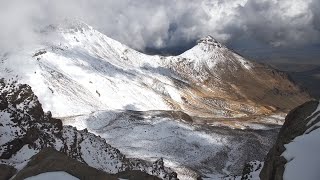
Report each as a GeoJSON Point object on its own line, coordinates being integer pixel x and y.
{"type": "Point", "coordinates": [225, 81]}
{"type": "Point", "coordinates": [79, 68]}
{"type": "Point", "coordinates": [25, 129]}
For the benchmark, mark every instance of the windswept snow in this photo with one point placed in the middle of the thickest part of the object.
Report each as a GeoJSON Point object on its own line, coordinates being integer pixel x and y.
{"type": "Point", "coordinates": [303, 157]}
{"type": "Point", "coordinates": [211, 52]}
{"type": "Point", "coordinates": [302, 153]}
{"type": "Point", "coordinates": [87, 71]}
{"type": "Point", "coordinates": [53, 176]}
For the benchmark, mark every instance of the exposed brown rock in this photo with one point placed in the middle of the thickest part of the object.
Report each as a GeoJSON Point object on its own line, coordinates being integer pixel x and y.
{"type": "Point", "coordinates": [228, 88]}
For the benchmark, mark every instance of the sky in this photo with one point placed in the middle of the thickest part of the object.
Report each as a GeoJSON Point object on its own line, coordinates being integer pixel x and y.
{"type": "Point", "coordinates": [261, 29]}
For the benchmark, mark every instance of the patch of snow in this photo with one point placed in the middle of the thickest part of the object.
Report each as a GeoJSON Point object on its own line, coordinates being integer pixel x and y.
{"type": "Point", "coordinates": [8, 132]}
{"type": "Point", "coordinates": [24, 154]}
{"type": "Point", "coordinates": [302, 155]}
{"type": "Point", "coordinates": [53, 176]}
{"type": "Point", "coordinates": [314, 112]}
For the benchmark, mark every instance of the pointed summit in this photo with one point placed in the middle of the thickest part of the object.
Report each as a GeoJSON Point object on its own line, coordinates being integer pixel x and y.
{"type": "Point", "coordinates": [67, 25]}
{"type": "Point", "coordinates": [209, 40]}
{"type": "Point", "coordinates": [206, 48]}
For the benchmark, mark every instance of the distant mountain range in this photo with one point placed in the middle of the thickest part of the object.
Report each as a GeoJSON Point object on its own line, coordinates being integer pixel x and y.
{"type": "Point", "coordinates": [306, 75]}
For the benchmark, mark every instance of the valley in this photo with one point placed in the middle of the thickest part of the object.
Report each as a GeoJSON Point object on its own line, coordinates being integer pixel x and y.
{"type": "Point", "coordinates": [307, 75]}
{"type": "Point", "coordinates": [188, 147]}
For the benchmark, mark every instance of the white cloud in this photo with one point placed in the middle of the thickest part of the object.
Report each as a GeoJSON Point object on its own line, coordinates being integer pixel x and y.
{"type": "Point", "coordinates": [161, 23]}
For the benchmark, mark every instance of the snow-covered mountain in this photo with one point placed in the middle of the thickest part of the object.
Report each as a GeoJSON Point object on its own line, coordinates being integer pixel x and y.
{"type": "Point", "coordinates": [178, 108]}
{"type": "Point", "coordinates": [76, 70]}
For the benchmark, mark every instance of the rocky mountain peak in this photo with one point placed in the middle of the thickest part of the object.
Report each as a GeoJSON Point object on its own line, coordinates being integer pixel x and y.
{"type": "Point", "coordinates": [210, 41]}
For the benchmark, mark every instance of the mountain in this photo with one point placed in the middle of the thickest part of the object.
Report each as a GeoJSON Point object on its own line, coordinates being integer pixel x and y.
{"type": "Point", "coordinates": [295, 153]}
{"type": "Point", "coordinates": [77, 67]}
{"type": "Point", "coordinates": [25, 130]}
{"type": "Point", "coordinates": [204, 113]}
{"type": "Point", "coordinates": [26, 133]}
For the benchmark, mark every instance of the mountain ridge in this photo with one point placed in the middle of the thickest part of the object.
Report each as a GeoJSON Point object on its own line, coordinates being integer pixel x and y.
{"type": "Point", "coordinates": [83, 66]}
{"type": "Point", "coordinates": [204, 111]}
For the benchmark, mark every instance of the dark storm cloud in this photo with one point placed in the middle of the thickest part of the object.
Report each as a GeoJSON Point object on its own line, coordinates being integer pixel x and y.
{"type": "Point", "coordinates": [280, 23]}
{"type": "Point", "coordinates": [163, 23]}
{"type": "Point", "coordinates": [315, 8]}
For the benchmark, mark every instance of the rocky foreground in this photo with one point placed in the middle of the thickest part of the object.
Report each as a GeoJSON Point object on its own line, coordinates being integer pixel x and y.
{"type": "Point", "coordinates": [25, 130]}
{"type": "Point", "coordinates": [294, 156]}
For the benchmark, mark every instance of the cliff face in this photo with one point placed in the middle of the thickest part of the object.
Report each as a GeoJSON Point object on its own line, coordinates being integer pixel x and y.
{"type": "Point", "coordinates": [294, 154]}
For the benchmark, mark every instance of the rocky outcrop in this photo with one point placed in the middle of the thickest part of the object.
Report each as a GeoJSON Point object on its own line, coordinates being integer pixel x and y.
{"type": "Point", "coordinates": [25, 130]}
{"type": "Point", "coordinates": [50, 160]}
{"type": "Point", "coordinates": [299, 121]}
{"type": "Point", "coordinates": [6, 171]}
{"type": "Point", "coordinates": [250, 171]}
{"type": "Point", "coordinates": [23, 121]}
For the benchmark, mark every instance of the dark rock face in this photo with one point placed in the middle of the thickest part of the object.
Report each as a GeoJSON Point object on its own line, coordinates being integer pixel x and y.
{"type": "Point", "coordinates": [6, 171]}
{"type": "Point", "coordinates": [27, 124]}
{"type": "Point", "coordinates": [296, 124]}
{"type": "Point", "coordinates": [135, 175]}
{"type": "Point", "coordinates": [25, 130]}
{"type": "Point", "coordinates": [50, 160]}
{"type": "Point", "coordinates": [250, 168]}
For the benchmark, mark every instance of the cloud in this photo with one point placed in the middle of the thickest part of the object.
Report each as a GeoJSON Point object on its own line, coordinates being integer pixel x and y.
{"type": "Point", "coordinates": [160, 23]}
{"type": "Point", "coordinates": [280, 23]}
